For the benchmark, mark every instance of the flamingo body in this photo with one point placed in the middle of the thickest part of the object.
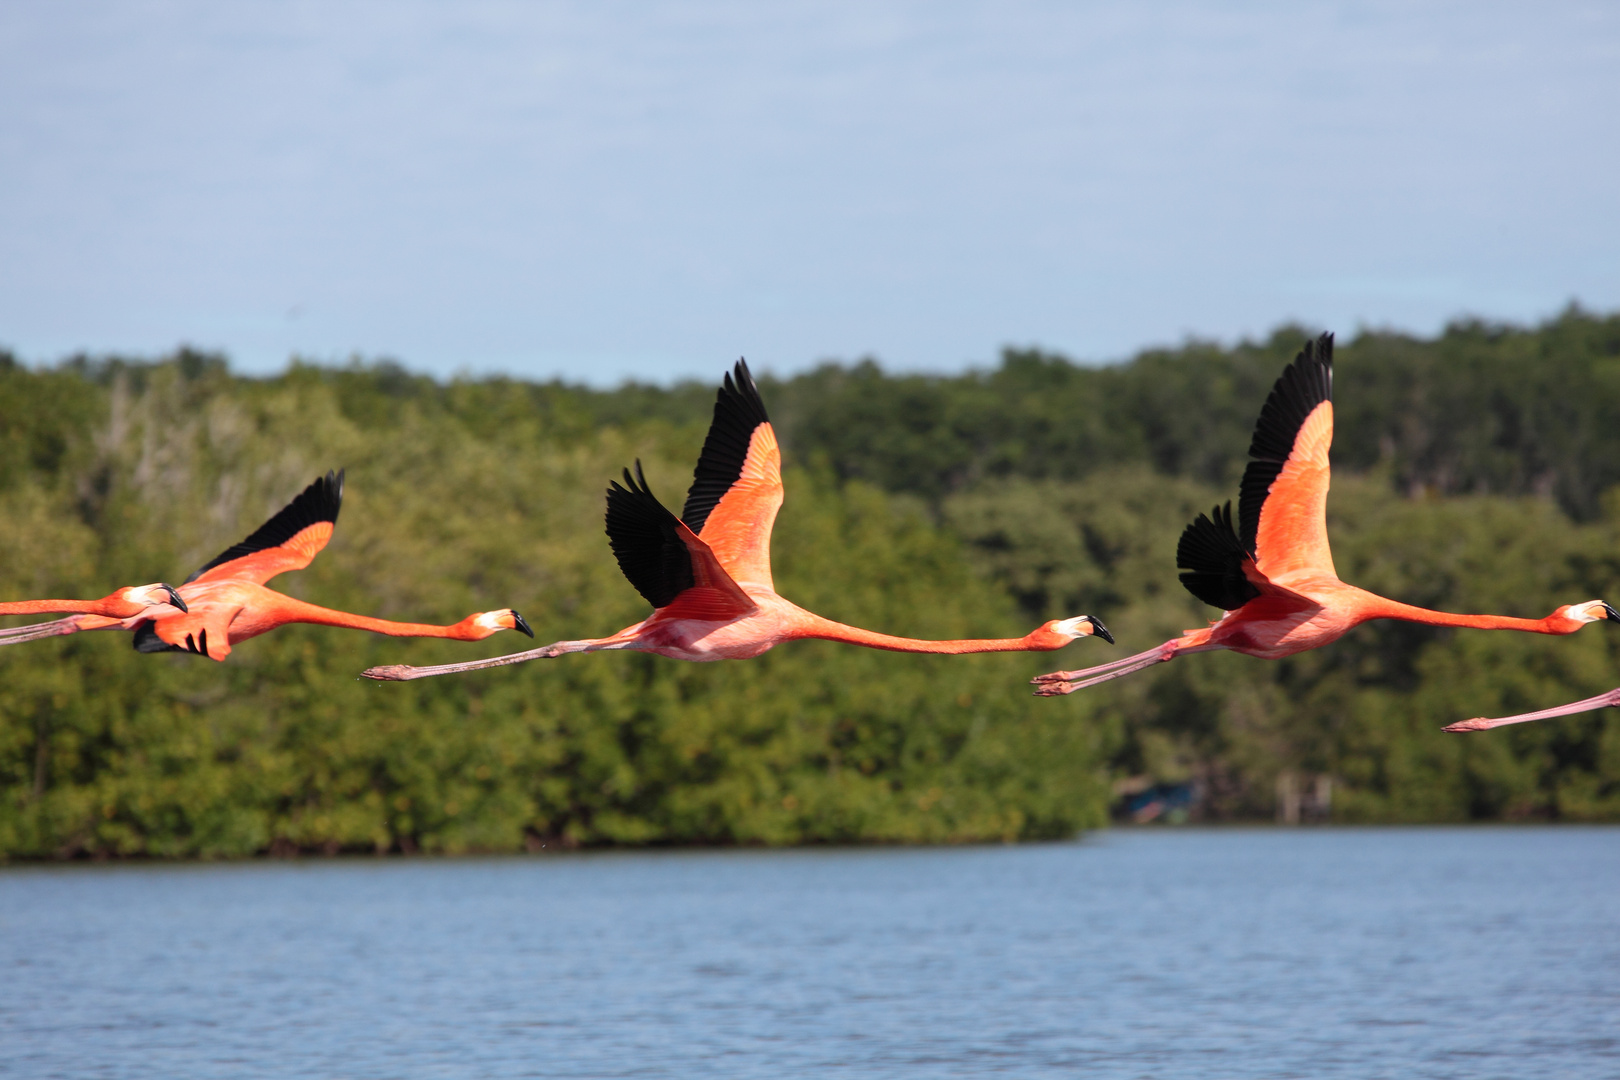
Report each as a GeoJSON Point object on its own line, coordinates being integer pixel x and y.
{"type": "Point", "coordinates": [707, 573]}
{"type": "Point", "coordinates": [775, 620]}
{"type": "Point", "coordinates": [230, 612]}
{"type": "Point", "coordinates": [1273, 627]}
{"type": "Point", "coordinates": [1272, 573]}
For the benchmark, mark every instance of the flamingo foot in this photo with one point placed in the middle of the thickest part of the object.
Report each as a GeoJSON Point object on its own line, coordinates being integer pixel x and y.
{"type": "Point", "coordinates": [1057, 683]}
{"type": "Point", "coordinates": [392, 673]}
{"type": "Point", "coordinates": [34, 632]}
{"type": "Point", "coordinates": [1481, 723]}
{"type": "Point", "coordinates": [405, 672]}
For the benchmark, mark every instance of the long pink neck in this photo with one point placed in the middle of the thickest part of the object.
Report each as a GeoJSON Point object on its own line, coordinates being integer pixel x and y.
{"type": "Point", "coordinates": [288, 610]}
{"type": "Point", "coordinates": [44, 607]}
{"type": "Point", "coordinates": [1393, 609]}
{"type": "Point", "coordinates": [814, 626]}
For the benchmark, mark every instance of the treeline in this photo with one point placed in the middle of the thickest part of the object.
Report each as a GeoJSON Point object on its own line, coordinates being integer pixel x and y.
{"type": "Point", "coordinates": [130, 473]}
{"type": "Point", "coordinates": [1480, 410]}
{"type": "Point", "coordinates": [1473, 472]}
{"type": "Point", "coordinates": [1483, 409]}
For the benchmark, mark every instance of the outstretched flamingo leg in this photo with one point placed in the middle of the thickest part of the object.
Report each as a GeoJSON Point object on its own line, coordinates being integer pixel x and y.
{"type": "Point", "coordinates": [37, 631]}
{"type": "Point", "coordinates": [1067, 682]}
{"type": "Point", "coordinates": [1480, 723]}
{"type": "Point", "coordinates": [405, 672]}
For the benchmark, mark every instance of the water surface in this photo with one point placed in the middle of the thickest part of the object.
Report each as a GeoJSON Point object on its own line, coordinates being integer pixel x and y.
{"type": "Point", "coordinates": [1142, 953]}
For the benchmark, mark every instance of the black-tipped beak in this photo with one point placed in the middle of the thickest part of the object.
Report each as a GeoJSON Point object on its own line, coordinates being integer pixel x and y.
{"type": "Point", "coordinates": [1099, 629]}
{"type": "Point", "coordinates": [1609, 612]}
{"type": "Point", "coordinates": [174, 597]}
{"type": "Point", "coordinates": [521, 624]}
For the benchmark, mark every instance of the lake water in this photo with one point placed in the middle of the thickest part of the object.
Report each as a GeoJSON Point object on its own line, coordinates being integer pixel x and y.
{"type": "Point", "coordinates": [1477, 952]}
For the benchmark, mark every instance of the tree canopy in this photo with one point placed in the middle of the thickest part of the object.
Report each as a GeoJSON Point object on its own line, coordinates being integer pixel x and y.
{"type": "Point", "coordinates": [1475, 471]}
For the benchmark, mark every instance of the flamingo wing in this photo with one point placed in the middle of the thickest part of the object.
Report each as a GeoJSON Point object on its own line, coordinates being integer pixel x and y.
{"type": "Point", "coordinates": [1282, 505]}
{"type": "Point", "coordinates": [288, 541]}
{"type": "Point", "coordinates": [737, 485]}
{"type": "Point", "coordinates": [185, 633]}
{"type": "Point", "coordinates": [1221, 572]}
{"type": "Point", "coordinates": [665, 560]}
{"type": "Point", "coordinates": [1218, 564]}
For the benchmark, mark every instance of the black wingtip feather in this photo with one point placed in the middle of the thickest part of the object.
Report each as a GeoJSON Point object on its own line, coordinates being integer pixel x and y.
{"type": "Point", "coordinates": [738, 410]}
{"type": "Point", "coordinates": [321, 501]}
{"type": "Point", "coordinates": [1303, 385]}
{"type": "Point", "coordinates": [1210, 549]}
{"type": "Point", "coordinates": [646, 541]}
{"type": "Point", "coordinates": [147, 641]}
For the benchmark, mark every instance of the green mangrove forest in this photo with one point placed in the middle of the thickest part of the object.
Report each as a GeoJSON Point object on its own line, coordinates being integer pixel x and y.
{"type": "Point", "coordinates": [1475, 471]}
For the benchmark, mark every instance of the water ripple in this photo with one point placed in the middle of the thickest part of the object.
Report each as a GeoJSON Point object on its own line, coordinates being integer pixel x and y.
{"type": "Point", "coordinates": [1154, 953]}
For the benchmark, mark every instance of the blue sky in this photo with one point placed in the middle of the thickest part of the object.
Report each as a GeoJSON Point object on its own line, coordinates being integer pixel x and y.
{"type": "Point", "coordinates": [649, 190]}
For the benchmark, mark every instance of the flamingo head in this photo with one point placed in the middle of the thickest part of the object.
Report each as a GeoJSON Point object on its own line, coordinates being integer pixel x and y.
{"type": "Point", "coordinates": [154, 595]}
{"type": "Point", "coordinates": [1067, 630]}
{"type": "Point", "coordinates": [1589, 612]}
{"type": "Point", "coordinates": [491, 622]}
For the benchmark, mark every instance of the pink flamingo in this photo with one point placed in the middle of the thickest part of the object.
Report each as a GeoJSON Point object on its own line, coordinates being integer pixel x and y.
{"type": "Point", "coordinates": [1274, 581]}
{"type": "Point", "coordinates": [707, 573]}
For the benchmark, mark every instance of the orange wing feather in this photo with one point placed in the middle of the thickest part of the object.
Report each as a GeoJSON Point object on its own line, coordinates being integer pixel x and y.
{"type": "Point", "coordinates": [1283, 501]}
{"type": "Point", "coordinates": [1292, 537]}
{"type": "Point", "coordinates": [293, 554]}
{"type": "Point", "coordinates": [737, 485]}
{"type": "Point", "coordinates": [288, 541]}
{"type": "Point", "coordinates": [714, 594]}
{"type": "Point", "coordinates": [207, 633]}
{"type": "Point", "coordinates": [738, 530]}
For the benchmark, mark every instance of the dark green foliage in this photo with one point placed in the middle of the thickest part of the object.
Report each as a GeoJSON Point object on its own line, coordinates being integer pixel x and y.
{"type": "Point", "coordinates": [1474, 472]}
{"type": "Point", "coordinates": [103, 751]}
{"type": "Point", "coordinates": [1366, 710]}
{"type": "Point", "coordinates": [1480, 410]}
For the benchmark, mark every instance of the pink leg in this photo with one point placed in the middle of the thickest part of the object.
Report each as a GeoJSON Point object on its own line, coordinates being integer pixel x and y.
{"type": "Point", "coordinates": [1067, 682]}
{"type": "Point", "coordinates": [55, 628]}
{"type": "Point", "coordinates": [404, 672]}
{"type": "Point", "coordinates": [1480, 723]}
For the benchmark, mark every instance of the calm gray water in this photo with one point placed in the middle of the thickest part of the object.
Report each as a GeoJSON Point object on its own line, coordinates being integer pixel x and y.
{"type": "Point", "coordinates": [1148, 953]}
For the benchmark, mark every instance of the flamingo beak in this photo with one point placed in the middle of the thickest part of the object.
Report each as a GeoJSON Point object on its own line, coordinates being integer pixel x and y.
{"type": "Point", "coordinates": [520, 624]}
{"type": "Point", "coordinates": [1609, 612]}
{"type": "Point", "coordinates": [174, 597]}
{"type": "Point", "coordinates": [1099, 629]}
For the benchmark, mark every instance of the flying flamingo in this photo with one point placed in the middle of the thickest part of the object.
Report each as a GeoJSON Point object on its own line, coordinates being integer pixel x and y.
{"type": "Point", "coordinates": [1274, 581]}
{"type": "Point", "coordinates": [129, 603]}
{"type": "Point", "coordinates": [707, 573]}
{"type": "Point", "coordinates": [226, 602]}
{"type": "Point", "coordinates": [1480, 723]}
